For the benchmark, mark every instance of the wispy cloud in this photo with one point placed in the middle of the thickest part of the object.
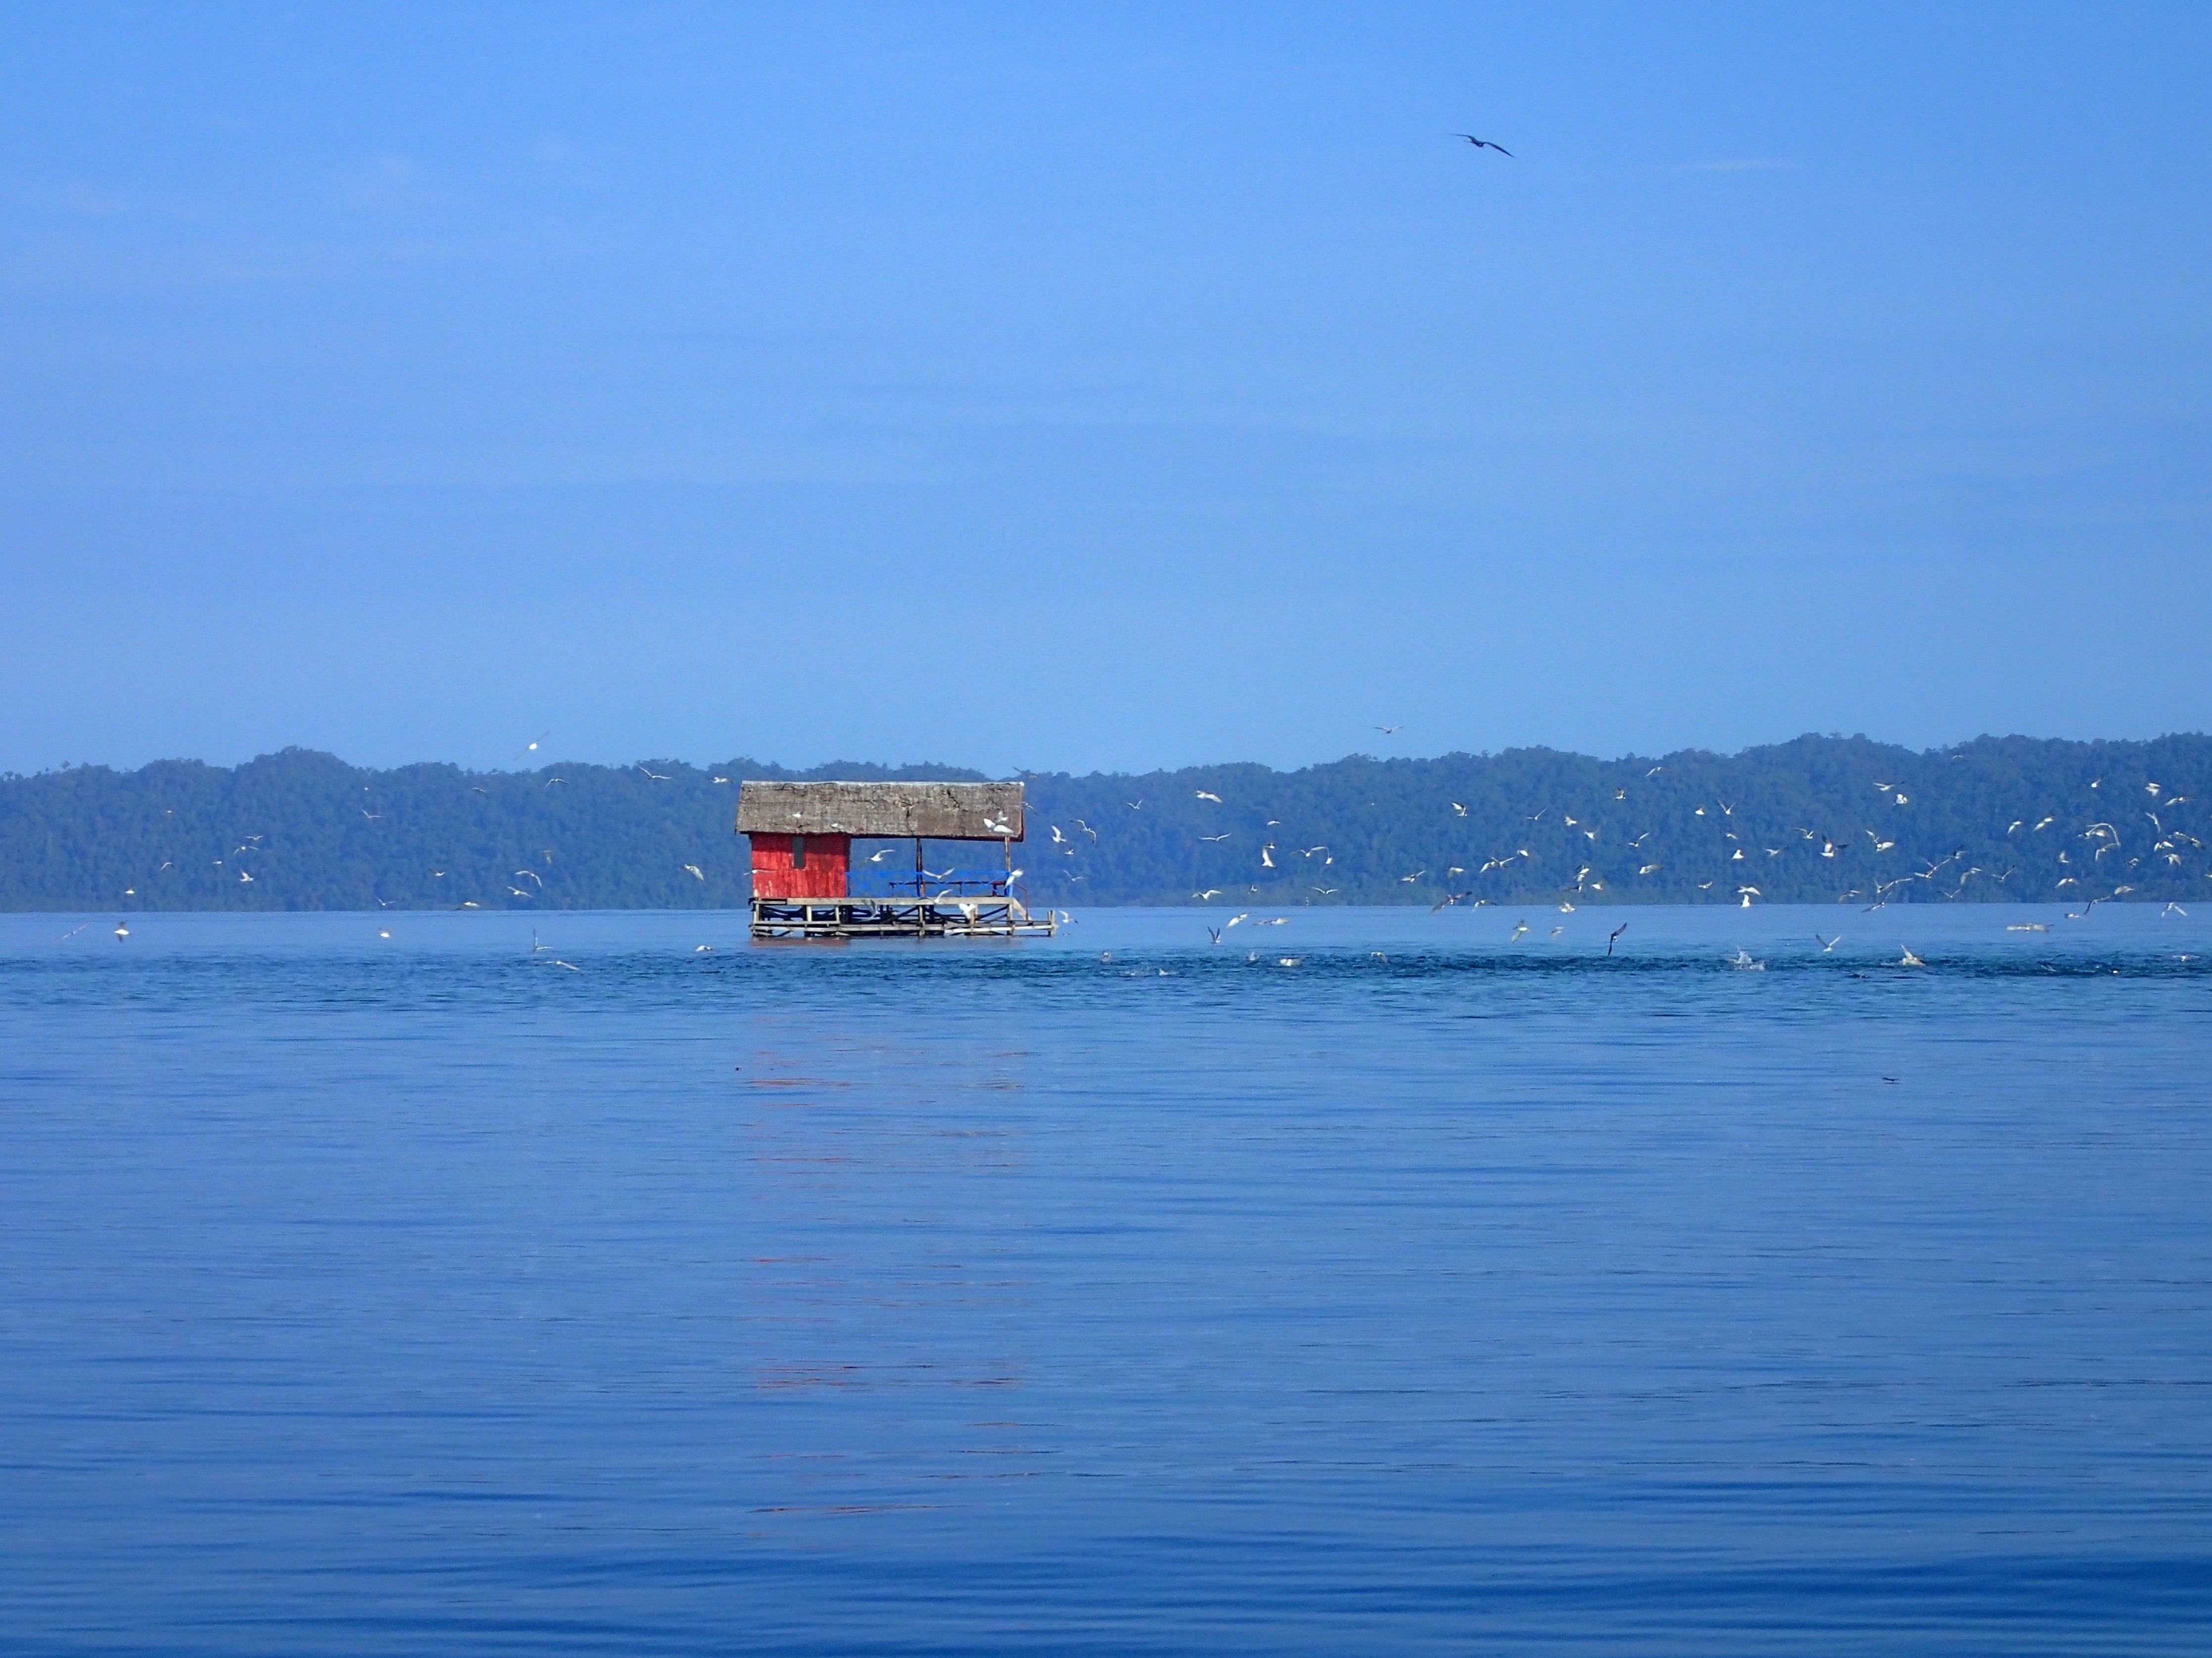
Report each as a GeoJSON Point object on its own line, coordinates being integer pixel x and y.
{"type": "Point", "coordinates": [386, 180]}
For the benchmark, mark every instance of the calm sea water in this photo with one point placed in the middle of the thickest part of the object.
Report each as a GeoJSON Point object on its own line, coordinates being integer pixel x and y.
{"type": "Point", "coordinates": [1367, 1284]}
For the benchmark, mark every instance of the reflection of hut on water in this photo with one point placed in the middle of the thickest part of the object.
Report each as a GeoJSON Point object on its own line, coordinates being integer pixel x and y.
{"type": "Point", "coordinates": [804, 886]}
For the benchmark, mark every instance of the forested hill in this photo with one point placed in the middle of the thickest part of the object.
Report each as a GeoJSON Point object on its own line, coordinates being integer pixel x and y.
{"type": "Point", "coordinates": [305, 831]}
{"type": "Point", "coordinates": [1817, 819]}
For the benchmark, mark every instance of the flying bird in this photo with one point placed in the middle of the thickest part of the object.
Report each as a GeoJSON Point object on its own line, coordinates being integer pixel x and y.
{"type": "Point", "coordinates": [689, 869]}
{"type": "Point", "coordinates": [1389, 730]}
{"type": "Point", "coordinates": [1203, 795]}
{"type": "Point", "coordinates": [1827, 945]}
{"type": "Point", "coordinates": [1614, 935]}
{"type": "Point", "coordinates": [1519, 928]}
{"type": "Point", "coordinates": [1483, 143]}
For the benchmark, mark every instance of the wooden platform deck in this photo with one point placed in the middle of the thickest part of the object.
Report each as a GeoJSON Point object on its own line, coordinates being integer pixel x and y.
{"type": "Point", "coordinates": [899, 918]}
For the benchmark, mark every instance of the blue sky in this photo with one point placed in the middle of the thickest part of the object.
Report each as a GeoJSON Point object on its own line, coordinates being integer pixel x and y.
{"type": "Point", "coordinates": [1098, 388]}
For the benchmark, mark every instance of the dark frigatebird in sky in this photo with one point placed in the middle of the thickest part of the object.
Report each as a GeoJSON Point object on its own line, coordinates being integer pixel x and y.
{"type": "Point", "coordinates": [1483, 143]}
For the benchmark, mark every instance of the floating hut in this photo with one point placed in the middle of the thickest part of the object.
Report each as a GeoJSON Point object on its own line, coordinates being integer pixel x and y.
{"type": "Point", "coordinates": [804, 885]}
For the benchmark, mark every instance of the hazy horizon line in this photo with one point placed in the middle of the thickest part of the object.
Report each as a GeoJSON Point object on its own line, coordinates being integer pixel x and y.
{"type": "Point", "coordinates": [1018, 774]}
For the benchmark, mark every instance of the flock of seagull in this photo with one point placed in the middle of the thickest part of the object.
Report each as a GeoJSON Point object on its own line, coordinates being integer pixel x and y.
{"type": "Point", "coordinates": [2075, 859]}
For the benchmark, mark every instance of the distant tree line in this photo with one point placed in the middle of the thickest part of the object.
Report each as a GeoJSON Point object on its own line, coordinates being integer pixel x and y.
{"type": "Point", "coordinates": [1820, 820]}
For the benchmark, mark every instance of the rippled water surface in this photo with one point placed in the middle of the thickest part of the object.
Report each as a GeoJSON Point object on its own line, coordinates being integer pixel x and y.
{"type": "Point", "coordinates": [1366, 1284]}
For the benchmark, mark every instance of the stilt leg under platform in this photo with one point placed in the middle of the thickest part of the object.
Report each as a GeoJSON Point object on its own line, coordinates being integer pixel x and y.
{"type": "Point", "coordinates": [894, 917]}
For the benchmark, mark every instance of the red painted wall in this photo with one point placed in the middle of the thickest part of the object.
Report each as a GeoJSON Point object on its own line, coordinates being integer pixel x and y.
{"type": "Point", "coordinates": [828, 859]}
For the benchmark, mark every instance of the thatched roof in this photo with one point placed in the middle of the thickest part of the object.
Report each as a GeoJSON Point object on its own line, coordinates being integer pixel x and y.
{"type": "Point", "coordinates": [935, 811]}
